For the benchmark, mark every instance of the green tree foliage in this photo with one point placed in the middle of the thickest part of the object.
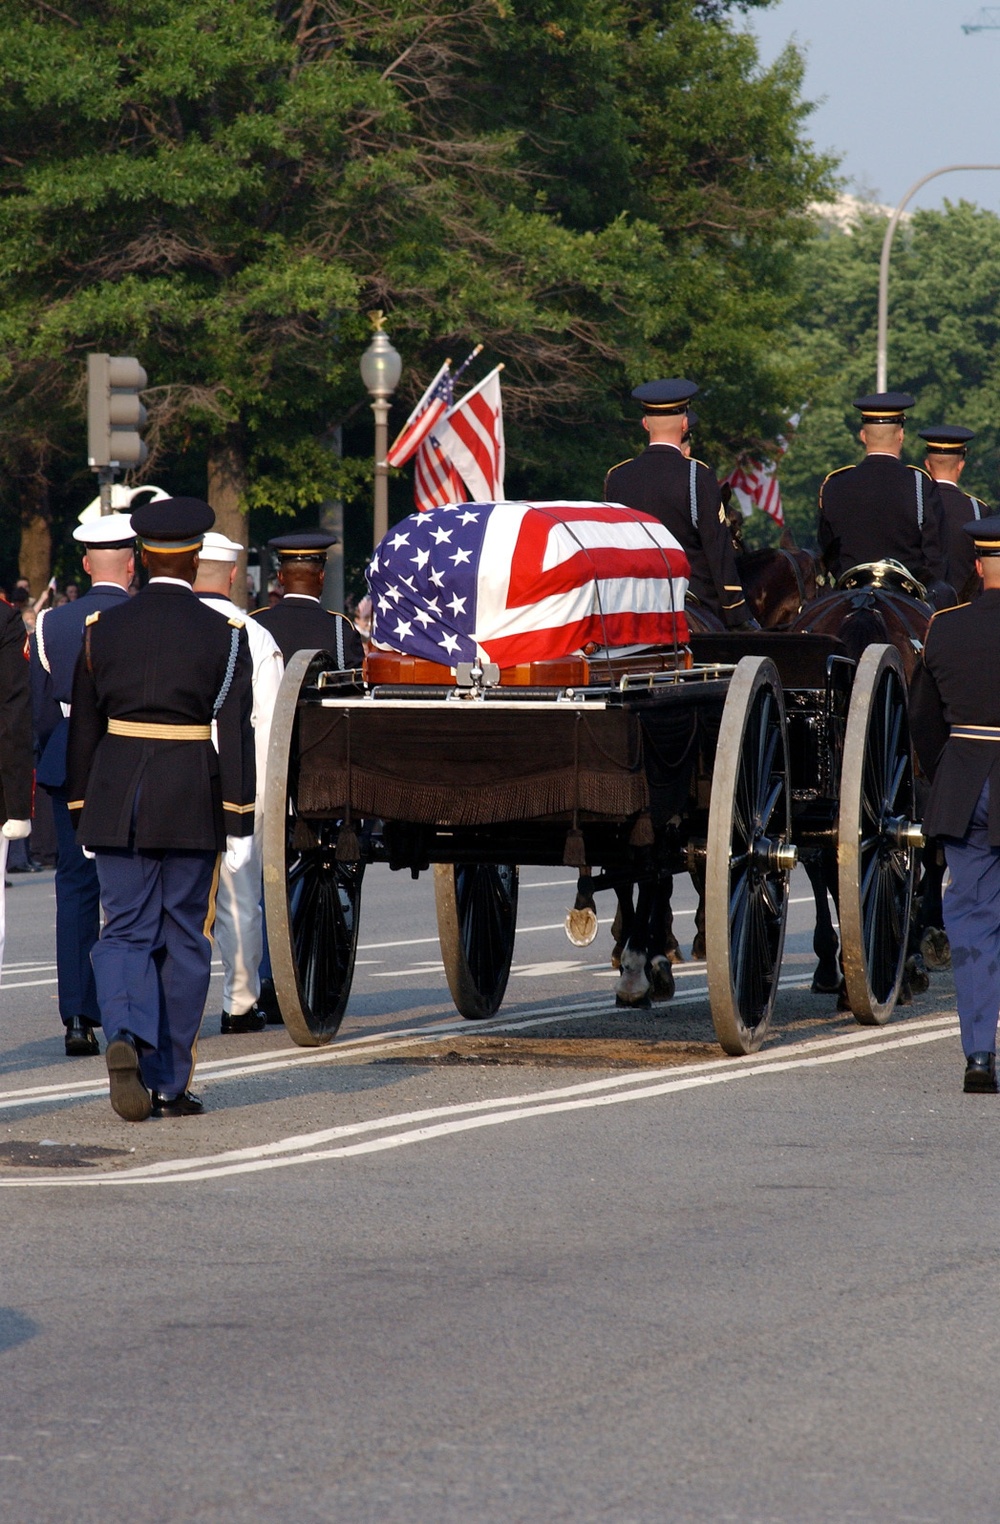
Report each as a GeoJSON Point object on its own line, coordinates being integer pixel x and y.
{"type": "Point", "coordinates": [944, 343]}
{"type": "Point", "coordinates": [597, 191]}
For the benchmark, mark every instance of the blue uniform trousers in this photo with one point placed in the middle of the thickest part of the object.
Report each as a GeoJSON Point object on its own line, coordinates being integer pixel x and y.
{"type": "Point", "coordinates": [78, 920]}
{"type": "Point", "coordinates": [972, 921]}
{"type": "Point", "coordinates": [153, 960]}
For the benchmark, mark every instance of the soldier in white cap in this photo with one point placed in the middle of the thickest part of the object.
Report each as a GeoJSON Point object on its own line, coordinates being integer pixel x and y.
{"type": "Point", "coordinates": [238, 922]}
{"type": "Point", "coordinates": [108, 546]}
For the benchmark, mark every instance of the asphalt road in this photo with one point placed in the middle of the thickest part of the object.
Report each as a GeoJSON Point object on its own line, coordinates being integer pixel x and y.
{"type": "Point", "coordinates": [367, 1286]}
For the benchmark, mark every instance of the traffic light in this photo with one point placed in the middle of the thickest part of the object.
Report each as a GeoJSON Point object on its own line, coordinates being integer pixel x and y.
{"type": "Point", "coordinates": [114, 412]}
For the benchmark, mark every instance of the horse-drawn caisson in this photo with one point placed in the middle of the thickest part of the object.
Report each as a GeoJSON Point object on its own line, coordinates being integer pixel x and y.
{"type": "Point", "coordinates": [533, 696]}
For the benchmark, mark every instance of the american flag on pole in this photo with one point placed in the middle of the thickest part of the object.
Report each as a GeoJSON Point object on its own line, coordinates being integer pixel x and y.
{"type": "Point", "coordinates": [471, 436]}
{"type": "Point", "coordinates": [515, 582]}
{"type": "Point", "coordinates": [755, 485]}
{"type": "Point", "coordinates": [433, 405]}
{"type": "Point", "coordinates": [435, 480]}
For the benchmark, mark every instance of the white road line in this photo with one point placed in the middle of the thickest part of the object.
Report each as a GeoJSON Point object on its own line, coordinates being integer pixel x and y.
{"type": "Point", "coordinates": [304, 1149]}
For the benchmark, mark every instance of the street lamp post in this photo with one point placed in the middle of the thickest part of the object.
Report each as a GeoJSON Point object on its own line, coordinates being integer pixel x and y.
{"type": "Point", "coordinates": [381, 369]}
{"type": "Point", "coordinates": [882, 357]}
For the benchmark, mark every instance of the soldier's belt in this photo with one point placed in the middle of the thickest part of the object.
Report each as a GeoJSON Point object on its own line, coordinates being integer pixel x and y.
{"type": "Point", "coordinates": [144, 730]}
{"type": "Point", "coordinates": [975, 732]}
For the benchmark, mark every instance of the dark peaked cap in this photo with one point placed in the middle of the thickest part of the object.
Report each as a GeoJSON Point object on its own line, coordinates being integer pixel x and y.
{"type": "Point", "coordinates": [986, 534]}
{"type": "Point", "coordinates": [172, 523]}
{"type": "Point", "coordinates": [946, 438]}
{"type": "Point", "coordinates": [885, 407]}
{"type": "Point", "coordinates": [665, 397]}
{"type": "Point", "coordinates": [304, 545]}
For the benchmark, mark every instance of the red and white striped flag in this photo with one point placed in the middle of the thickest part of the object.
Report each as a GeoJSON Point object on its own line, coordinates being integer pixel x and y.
{"type": "Point", "coordinates": [435, 480]}
{"type": "Point", "coordinates": [755, 485]}
{"type": "Point", "coordinates": [432, 406]}
{"type": "Point", "coordinates": [471, 436]}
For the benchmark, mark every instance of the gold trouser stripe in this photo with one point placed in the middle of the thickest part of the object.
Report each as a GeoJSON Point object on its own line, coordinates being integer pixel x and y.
{"type": "Point", "coordinates": [238, 809]}
{"type": "Point", "coordinates": [976, 732]}
{"type": "Point", "coordinates": [207, 932]}
{"type": "Point", "coordinates": [75, 804]}
{"type": "Point", "coordinates": [147, 731]}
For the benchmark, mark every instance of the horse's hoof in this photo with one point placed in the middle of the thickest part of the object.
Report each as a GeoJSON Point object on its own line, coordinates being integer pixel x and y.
{"type": "Point", "coordinates": [676, 956]}
{"type": "Point", "coordinates": [915, 974]}
{"type": "Point", "coordinates": [823, 984]}
{"type": "Point", "coordinates": [905, 996]}
{"type": "Point", "coordinates": [935, 948]}
{"type": "Point", "coordinates": [581, 926]}
{"type": "Point", "coordinates": [843, 1004]}
{"type": "Point", "coordinates": [632, 989]}
{"type": "Point", "coordinates": [698, 948]}
{"type": "Point", "coordinates": [642, 1004]}
{"type": "Point", "coordinates": [661, 978]}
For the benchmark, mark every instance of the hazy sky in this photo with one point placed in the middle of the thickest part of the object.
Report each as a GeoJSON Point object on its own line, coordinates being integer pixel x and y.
{"type": "Point", "coordinates": [902, 90]}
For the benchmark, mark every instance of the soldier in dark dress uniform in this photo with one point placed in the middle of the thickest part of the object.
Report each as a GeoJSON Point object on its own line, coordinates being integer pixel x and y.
{"type": "Point", "coordinates": [299, 622]}
{"type": "Point", "coordinates": [16, 747]}
{"type": "Point", "coordinates": [684, 495]}
{"type": "Point", "coordinates": [110, 561]}
{"type": "Point", "coordinates": [882, 509]}
{"type": "Point", "coordinates": [947, 445]}
{"type": "Point", "coordinates": [955, 718]}
{"type": "Point", "coordinates": [151, 796]}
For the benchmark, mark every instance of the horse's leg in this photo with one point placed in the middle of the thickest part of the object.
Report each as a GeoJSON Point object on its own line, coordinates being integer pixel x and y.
{"type": "Point", "coordinates": [698, 943]}
{"type": "Point", "coordinates": [621, 926]}
{"type": "Point", "coordinates": [581, 922]}
{"type": "Point", "coordinates": [661, 974]}
{"type": "Point", "coordinates": [933, 937]}
{"type": "Point", "coordinates": [827, 977]}
{"type": "Point", "coordinates": [632, 989]}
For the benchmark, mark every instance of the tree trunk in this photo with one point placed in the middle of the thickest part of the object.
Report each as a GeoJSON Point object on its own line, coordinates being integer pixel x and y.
{"type": "Point", "coordinates": [34, 559]}
{"type": "Point", "coordinates": [227, 484]}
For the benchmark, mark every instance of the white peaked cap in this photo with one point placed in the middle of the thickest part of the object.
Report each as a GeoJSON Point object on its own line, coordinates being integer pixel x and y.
{"type": "Point", "coordinates": [121, 498]}
{"type": "Point", "coordinates": [109, 529]}
{"type": "Point", "coordinates": [216, 547]}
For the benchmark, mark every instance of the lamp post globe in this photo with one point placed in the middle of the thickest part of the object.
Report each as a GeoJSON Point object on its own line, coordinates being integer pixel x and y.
{"type": "Point", "coordinates": [381, 368]}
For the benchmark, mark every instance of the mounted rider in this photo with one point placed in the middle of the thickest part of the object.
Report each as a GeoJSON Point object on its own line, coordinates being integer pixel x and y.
{"type": "Point", "coordinates": [882, 509]}
{"type": "Point", "coordinates": [684, 495]}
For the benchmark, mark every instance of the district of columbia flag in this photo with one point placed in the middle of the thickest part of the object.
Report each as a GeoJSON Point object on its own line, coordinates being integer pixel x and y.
{"type": "Point", "coordinates": [432, 406]}
{"type": "Point", "coordinates": [471, 436]}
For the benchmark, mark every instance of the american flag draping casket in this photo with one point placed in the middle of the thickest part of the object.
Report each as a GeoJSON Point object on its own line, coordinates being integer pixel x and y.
{"type": "Point", "coordinates": [517, 582]}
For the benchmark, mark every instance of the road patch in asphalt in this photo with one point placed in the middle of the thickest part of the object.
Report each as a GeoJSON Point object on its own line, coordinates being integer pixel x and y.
{"type": "Point", "coordinates": [559, 1052]}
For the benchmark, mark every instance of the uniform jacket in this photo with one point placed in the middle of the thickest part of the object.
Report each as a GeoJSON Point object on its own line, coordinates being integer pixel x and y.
{"type": "Point", "coordinates": [268, 670]}
{"type": "Point", "coordinates": [300, 623]}
{"type": "Point", "coordinates": [55, 647]}
{"type": "Point", "coordinates": [882, 509]}
{"type": "Point", "coordinates": [960, 508]}
{"type": "Point", "coordinates": [161, 658]}
{"type": "Point", "coordinates": [16, 754]}
{"type": "Point", "coordinates": [659, 481]}
{"type": "Point", "coordinates": [956, 684]}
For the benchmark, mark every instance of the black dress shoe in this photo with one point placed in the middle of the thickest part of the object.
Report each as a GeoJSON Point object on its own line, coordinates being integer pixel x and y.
{"type": "Point", "coordinates": [81, 1039]}
{"type": "Point", "coordinates": [267, 1001]}
{"type": "Point", "coordinates": [184, 1105]}
{"type": "Point", "coordinates": [253, 1020]}
{"type": "Point", "coordinates": [981, 1074]}
{"type": "Point", "coordinates": [129, 1096]}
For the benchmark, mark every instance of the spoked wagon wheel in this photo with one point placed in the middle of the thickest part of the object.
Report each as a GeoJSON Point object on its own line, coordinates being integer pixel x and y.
{"type": "Point", "coordinates": [477, 918]}
{"type": "Point", "coordinates": [311, 901]}
{"type": "Point", "coordinates": [749, 857]}
{"type": "Point", "coordinates": [876, 837]}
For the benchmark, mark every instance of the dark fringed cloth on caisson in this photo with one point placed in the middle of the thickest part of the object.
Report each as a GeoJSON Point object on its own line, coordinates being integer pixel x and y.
{"type": "Point", "coordinates": [471, 765]}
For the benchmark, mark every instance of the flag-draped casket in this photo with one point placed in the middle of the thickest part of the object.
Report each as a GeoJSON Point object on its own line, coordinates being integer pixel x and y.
{"type": "Point", "coordinates": [526, 582]}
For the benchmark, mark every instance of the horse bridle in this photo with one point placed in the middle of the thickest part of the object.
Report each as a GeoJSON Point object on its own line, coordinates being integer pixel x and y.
{"type": "Point", "coordinates": [799, 579]}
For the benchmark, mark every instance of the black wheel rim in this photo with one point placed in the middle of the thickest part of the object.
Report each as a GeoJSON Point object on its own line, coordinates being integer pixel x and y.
{"type": "Point", "coordinates": [323, 900]}
{"type": "Point", "coordinates": [486, 905]}
{"type": "Point", "coordinates": [884, 865]}
{"type": "Point", "coordinates": [757, 888]}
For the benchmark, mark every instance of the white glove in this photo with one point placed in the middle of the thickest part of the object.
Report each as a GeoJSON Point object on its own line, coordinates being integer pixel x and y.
{"type": "Point", "coordinates": [16, 830]}
{"type": "Point", "coordinates": [238, 850]}
{"type": "Point", "coordinates": [88, 854]}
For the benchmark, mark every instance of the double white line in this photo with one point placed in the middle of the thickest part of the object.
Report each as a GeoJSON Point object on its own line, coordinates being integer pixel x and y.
{"type": "Point", "coordinates": [409, 1128]}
